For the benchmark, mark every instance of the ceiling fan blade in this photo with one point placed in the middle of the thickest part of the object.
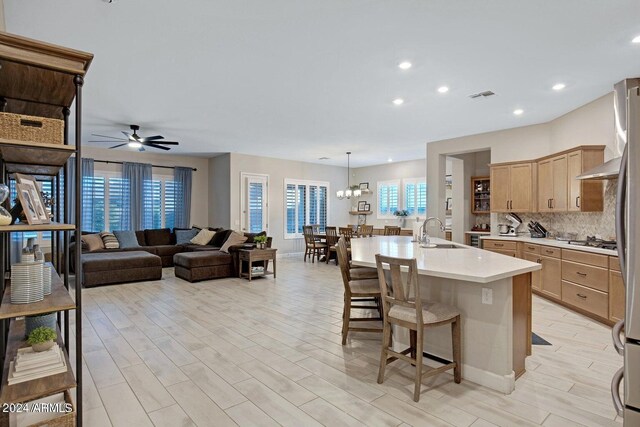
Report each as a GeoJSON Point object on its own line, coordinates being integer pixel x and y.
{"type": "Point", "coordinates": [151, 138]}
{"type": "Point", "coordinates": [119, 145]}
{"type": "Point", "coordinates": [110, 142]}
{"type": "Point", "coordinates": [167, 142]}
{"type": "Point", "coordinates": [106, 136]}
{"type": "Point", "coordinates": [157, 146]}
{"type": "Point", "coordinates": [129, 137]}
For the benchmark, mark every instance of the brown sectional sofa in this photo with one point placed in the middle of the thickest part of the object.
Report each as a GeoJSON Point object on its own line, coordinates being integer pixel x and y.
{"type": "Point", "coordinates": [162, 244]}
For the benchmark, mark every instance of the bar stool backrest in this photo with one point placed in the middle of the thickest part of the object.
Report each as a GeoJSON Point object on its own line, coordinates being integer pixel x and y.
{"type": "Point", "coordinates": [392, 287]}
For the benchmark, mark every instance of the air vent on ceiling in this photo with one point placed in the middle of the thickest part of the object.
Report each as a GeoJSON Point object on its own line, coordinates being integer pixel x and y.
{"type": "Point", "coordinates": [323, 158]}
{"type": "Point", "coordinates": [484, 94]}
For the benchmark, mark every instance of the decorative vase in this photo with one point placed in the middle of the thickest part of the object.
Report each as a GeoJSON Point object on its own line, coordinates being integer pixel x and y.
{"type": "Point", "coordinates": [42, 346]}
{"type": "Point", "coordinates": [261, 245]}
{"type": "Point", "coordinates": [402, 221]}
{"type": "Point", "coordinates": [32, 322]}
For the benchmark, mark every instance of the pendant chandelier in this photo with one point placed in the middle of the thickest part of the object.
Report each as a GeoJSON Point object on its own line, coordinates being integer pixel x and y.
{"type": "Point", "coordinates": [348, 193]}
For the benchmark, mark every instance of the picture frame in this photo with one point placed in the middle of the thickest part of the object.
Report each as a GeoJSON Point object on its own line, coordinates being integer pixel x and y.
{"type": "Point", "coordinates": [24, 195]}
{"type": "Point", "coordinates": [35, 197]}
{"type": "Point", "coordinates": [367, 207]}
{"type": "Point", "coordinates": [362, 206]}
{"type": "Point", "coordinates": [364, 186]}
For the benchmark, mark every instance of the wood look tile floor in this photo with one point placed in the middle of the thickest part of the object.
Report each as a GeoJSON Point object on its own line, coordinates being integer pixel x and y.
{"type": "Point", "coordinates": [268, 353]}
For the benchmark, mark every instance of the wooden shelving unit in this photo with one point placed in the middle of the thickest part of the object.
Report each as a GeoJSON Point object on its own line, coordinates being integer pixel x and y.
{"type": "Point", "coordinates": [481, 190]}
{"type": "Point", "coordinates": [41, 79]}
{"type": "Point", "coordinates": [360, 212]}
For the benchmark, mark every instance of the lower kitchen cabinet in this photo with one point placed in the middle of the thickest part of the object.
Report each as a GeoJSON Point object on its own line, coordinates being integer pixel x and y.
{"type": "Point", "coordinates": [616, 291]}
{"type": "Point", "coordinates": [536, 276]}
{"type": "Point", "coordinates": [551, 276]}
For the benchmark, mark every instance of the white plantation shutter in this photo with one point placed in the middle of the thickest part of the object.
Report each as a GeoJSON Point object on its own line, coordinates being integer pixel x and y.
{"type": "Point", "coordinates": [415, 196]}
{"type": "Point", "coordinates": [152, 204]}
{"type": "Point", "coordinates": [421, 198]}
{"type": "Point", "coordinates": [119, 218]}
{"type": "Point", "coordinates": [256, 207]}
{"type": "Point", "coordinates": [93, 193]}
{"type": "Point", "coordinates": [306, 203]}
{"type": "Point", "coordinates": [410, 198]}
{"type": "Point", "coordinates": [388, 198]}
{"type": "Point", "coordinates": [170, 198]}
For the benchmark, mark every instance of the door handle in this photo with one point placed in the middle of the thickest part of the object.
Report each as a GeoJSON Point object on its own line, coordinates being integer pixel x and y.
{"type": "Point", "coordinates": [615, 391]}
{"type": "Point", "coordinates": [620, 214]}
{"type": "Point", "coordinates": [577, 201]}
{"type": "Point", "coordinates": [615, 332]}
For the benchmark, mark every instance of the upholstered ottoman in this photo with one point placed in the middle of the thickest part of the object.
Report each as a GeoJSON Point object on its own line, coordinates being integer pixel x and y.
{"type": "Point", "coordinates": [106, 268]}
{"type": "Point", "coordinates": [205, 265]}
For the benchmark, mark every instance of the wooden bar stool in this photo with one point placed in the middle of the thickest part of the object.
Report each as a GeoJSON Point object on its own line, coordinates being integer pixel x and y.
{"type": "Point", "coordinates": [357, 291]}
{"type": "Point", "coordinates": [400, 309]}
{"type": "Point", "coordinates": [391, 230]}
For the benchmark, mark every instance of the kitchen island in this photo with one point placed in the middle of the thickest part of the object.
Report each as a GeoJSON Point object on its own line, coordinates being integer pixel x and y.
{"type": "Point", "coordinates": [496, 337]}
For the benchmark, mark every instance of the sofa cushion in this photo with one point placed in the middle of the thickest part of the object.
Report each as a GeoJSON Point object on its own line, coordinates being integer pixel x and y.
{"type": "Point", "coordinates": [141, 239]}
{"type": "Point", "coordinates": [198, 248]}
{"type": "Point", "coordinates": [93, 242]}
{"type": "Point", "coordinates": [220, 237]}
{"type": "Point", "coordinates": [109, 239]}
{"type": "Point", "coordinates": [168, 250]}
{"type": "Point", "coordinates": [250, 236]}
{"type": "Point", "coordinates": [127, 239]}
{"type": "Point", "coordinates": [203, 237]}
{"type": "Point", "coordinates": [234, 239]}
{"type": "Point", "coordinates": [111, 261]}
{"type": "Point", "coordinates": [184, 237]}
{"type": "Point", "coordinates": [159, 236]}
{"type": "Point", "coordinates": [202, 259]}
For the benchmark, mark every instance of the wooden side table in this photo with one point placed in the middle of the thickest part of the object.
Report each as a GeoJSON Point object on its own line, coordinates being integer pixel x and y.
{"type": "Point", "coordinates": [252, 255]}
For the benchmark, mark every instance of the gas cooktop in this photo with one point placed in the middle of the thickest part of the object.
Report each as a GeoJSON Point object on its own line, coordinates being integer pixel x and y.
{"type": "Point", "coordinates": [595, 243]}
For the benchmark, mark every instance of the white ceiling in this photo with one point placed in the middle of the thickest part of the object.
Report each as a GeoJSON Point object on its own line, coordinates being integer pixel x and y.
{"type": "Point", "coordinates": [304, 79]}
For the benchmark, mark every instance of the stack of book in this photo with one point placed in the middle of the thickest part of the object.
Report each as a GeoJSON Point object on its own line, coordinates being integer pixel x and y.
{"type": "Point", "coordinates": [29, 365]}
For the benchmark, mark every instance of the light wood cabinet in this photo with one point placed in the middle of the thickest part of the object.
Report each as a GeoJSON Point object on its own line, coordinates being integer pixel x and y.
{"type": "Point", "coordinates": [536, 276]}
{"type": "Point", "coordinates": [552, 184]}
{"type": "Point", "coordinates": [550, 277]}
{"type": "Point", "coordinates": [585, 196]}
{"type": "Point", "coordinates": [616, 296]}
{"type": "Point", "coordinates": [512, 187]}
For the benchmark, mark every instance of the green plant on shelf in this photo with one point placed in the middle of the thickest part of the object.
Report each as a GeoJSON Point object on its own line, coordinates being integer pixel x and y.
{"type": "Point", "coordinates": [41, 335]}
{"type": "Point", "coordinates": [402, 212]}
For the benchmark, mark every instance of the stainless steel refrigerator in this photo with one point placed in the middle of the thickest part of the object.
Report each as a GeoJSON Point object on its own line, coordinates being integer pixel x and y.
{"type": "Point", "coordinates": [627, 105]}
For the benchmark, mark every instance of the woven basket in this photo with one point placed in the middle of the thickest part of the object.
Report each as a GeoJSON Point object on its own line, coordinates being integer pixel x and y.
{"type": "Point", "coordinates": [31, 128]}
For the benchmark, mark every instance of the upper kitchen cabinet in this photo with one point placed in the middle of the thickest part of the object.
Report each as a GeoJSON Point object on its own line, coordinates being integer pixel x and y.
{"type": "Point", "coordinates": [512, 187]}
{"type": "Point", "coordinates": [585, 196]}
{"type": "Point", "coordinates": [552, 184]}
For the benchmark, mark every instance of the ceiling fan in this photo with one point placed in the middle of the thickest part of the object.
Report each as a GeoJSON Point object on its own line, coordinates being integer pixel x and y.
{"type": "Point", "coordinates": [133, 140]}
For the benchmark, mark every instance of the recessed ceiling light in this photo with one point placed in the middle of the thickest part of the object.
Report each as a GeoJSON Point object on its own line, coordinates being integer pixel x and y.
{"type": "Point", "coordinates": [405, 65]}
{"type": "Point", "coordinates": [443, 89]}
{"type": "Point", "coordinates": [398, 101]}
{"type": "Point", "coordinates": [636, 39]}
{"type": "Point", "coordinates": [518, 111]}
{"type": "Point", "coordinates": [389, 160]}
{"type": "Point", "coordinates": [558, 86]}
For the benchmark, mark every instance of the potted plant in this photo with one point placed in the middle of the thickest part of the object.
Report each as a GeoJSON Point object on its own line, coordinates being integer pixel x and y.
{"type": "Point", "coordinates": [260, 241]}
{"type": "Point", "coordinates": [41, 339]}
{"type": "Point", "coordinates": [402, 215]}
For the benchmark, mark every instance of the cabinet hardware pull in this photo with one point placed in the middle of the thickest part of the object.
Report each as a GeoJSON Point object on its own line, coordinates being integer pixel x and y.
{"type": "Point", "coordinates": [581, 274]}
{"type": "Point", "coordinates": [499, 245]}
{"type": "Point", "coordinates": [581, 296]}
{"type": "Point", "coordinates": [548, 251]}
{"type": "Point", "coordinates": [507, 204]}
{"type": "Point", "coordinates": [539, 261]}
{"type": "Point", "coordinates": [553, 203]}
{"type": "Point", "coordinates": [577, 201]}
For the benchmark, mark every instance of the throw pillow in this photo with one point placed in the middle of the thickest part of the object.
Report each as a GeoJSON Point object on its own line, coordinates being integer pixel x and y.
{"type": "Point", "coordinates": [219, 238]}
{"type": "Point", "coordinates": [110, 240]}
{"type": "Point", "coordinates": [158, 237]}
{"type": "Point", "coordinates": [250, 236]}
{"type": "Point", "coordinates": [127, 239]}
{"type": "Point", "coordinates": [203, 237]}
{"type": "Point", "coordinates": [183, 237]}
{"type": "Point", "coordinates": [234, 239]}
{"type": "Point", "coordinates": [93, 241]}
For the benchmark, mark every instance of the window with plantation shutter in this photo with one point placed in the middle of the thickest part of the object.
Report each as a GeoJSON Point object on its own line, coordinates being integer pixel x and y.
{"type": "Point", "coordinates": [306, 203]}
{"type": "Point", "coordinates": [93, 200]}
{"type": "Point", "coordinates": [388, 198]}
{"type": "Point", "coordinates": [119, 206]}
{"type": "Point", "coordinates": [254, 202]}
{"type": "Point", "coordinates": [415, 196]}
{"type": "Point", "coordinates": [170, 197]}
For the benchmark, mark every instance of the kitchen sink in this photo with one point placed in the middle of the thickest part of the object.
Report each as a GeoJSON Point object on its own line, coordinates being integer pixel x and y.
{"type": "Point", "coordinates": [444, 246]}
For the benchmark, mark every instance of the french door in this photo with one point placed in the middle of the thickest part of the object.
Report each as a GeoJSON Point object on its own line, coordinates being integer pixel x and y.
{"type": "Point", "coordinates": [255, 202]}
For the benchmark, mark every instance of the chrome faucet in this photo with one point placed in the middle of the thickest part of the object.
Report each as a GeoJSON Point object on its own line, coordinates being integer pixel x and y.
{"type": "Point", "coordinates": [424, 235]}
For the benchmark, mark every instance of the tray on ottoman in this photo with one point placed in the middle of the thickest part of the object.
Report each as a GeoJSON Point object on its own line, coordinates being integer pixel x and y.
{"type": "Point", "coordinates": [105, 268]}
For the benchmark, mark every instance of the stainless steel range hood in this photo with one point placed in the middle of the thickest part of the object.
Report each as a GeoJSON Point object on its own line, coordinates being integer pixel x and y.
{"type": "Point", "coordinates": [610, 169]}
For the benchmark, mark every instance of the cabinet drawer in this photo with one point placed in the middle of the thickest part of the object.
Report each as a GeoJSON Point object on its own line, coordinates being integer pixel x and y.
{"type": "Point", "coordinates": [586, 275]}
{"type": "Point", "coordinates": [614, 264]}
{"type": "Point", "coordinates": [586, 258]}
{"type": "Point", "coordinates": [531, 248]}
{"type": "Point", "coordinates": [499, 244]}
{"type": "Point", "coordinates": [504, 252]}
{"type": "Point", "coordinates": [550, 251]}
{"type": "Point", "coordinates": [588, 299]}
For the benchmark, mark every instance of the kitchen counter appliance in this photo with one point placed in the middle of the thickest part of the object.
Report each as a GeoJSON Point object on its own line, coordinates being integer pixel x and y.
{"type": "Point", "coordinates": [537, 230]}
{"type": "Point", "coordinates": [627, 123]}
{"type": "Point", "coordinates": [593, 242]}
{"type": "Point", "coordinates": [510, 229]}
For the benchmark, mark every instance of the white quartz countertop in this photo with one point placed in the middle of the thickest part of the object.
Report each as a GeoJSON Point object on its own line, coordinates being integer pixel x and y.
{"type": "Point", "coordinates": [552, 242]}
{"type": "Point", "coordinates": [464, 263]}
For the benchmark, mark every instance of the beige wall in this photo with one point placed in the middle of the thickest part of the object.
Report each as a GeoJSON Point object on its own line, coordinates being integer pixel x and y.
{"type": "Point", "coordinates": [591, 124]}
{"type": "Point", "coordinates": [200, 189]}
{"type": "Point", "coordinates": [387, 171]}
{"type": "Point", "coordinates": [220, 191]}
{"type": "Point", "coordinates": [2, 23]}
{"type": "Point", "coordinates": [278, 170]}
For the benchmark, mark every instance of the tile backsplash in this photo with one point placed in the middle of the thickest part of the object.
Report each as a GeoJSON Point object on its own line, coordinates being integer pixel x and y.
{"type": "Point", "coordinates": [585, 224]}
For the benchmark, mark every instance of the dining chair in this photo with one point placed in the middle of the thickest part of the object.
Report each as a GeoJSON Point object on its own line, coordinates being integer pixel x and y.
{"type": "Point", "coordinates": [346, 232]}
{"type": "Point", "coordinates": [313, 247]}
{"type": "Point", "coordinates": [391, 230]}
{"type": "Point", "coordinates": [358, 291]}
{"type": "Point", "coordinates": [365, 230]}
{"type": "Point", "coordinates": [402, 309]}
{"type": "Point", "coordinates": [331, 241]}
